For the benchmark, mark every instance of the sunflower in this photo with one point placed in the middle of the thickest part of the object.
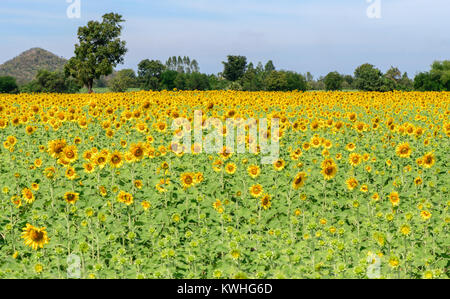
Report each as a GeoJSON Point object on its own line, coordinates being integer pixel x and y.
{"type": "Point", "coordinates": [38, 162]}
{"type": "Point", "coordinates": [354, 159]}
{"type": "Point", "coordinates": [125, 198]}
{"type": "Point", "coordinates": [350, 147]}
{"type": "Point", "coordinates": [3, 123]}
{"type": "Point", "coordinates": [115, 159]}
{"type": "Point", "coordinates": [164, 165]}
{"type": "Point", "coordinates": [425, 215]}
{"type": "Point", "coordinates": [376, 196]}
{"type": "Point", "coordinates": [161, 127]}
{"type": "Point", "coordinates": [71, 197]}
{"type": "Point", "coordinates": [394, 262]}
{"type": "Point", "coordinates": [138, 184]}
{"type": "Point", "coordinates": [256, 190]}
{"type": "Point", "coordinates": [16, 201]}
{"type": "Point", "coordinates": [56, 147]}
{"type": "Point", "coordinates": [88, 155]}
{"type": "Point", "coordinates": [265, 202]}
{"type": "Point", "coordinates": [254, 171]}
{"type": "Point", "coordinates": [103, 191]}
{"type": "Point", "coordinates": [35, 186]}
{"type": "Point", "coordinates": [394, 198]}
{"type": "Point", "coordinates": [217, 204]}
{"type": "Point", "coordinates": [141, 127]}
{"type": "Point", "coordinates": [198, 177]}
{"type": "Point", "coordinates": [403, 150]}
{"type": "Point", "coordinates": [160, 185]}
{"type": "Point", "coordinates": [109, 133]}
{"type": "Point", "coordinates": [428, 160]}
{"type": "Point", "coordinates": [88, 167]}
{"type": "Point", "coordinates": [28, 196]}
{"type": "Point", "coordinates": [351, 183]}
{"type": "Point", "coordinates": [405, 229]}
{"type": "Point", "coordinates": [71, 173]}
{"type": "Point", "coordinates": [279, 164]}
{"type": "Point", "coordinates": [299, 180]}
{"type": "Point", "coordinates": [35, 237]}
{"type": "Point", "coordinates": [138, 151]}
{"type": "Point", "coordinates": [145, 205]}
{"type": "Point", "coordinates": [70, 153]}
{"type": "Point", "coordinates": [418, 181]}
{"type": "Point", "coordinates": [230, 168]}
{"type": "Point", "coordinates": [329, 171]}
{"type": "Point", "coordinates": [50, 172]}
{"type": "Point", "coordinates": [225, 153]}
{"type": "Point", "coordinates": [12, 140]}
{"type": "Point", "coordinates": [315, 141]}
{"type": "Point", "coordinates": [30, 130]}
{"type": "Point", "coordinates": [187, 180]}
{"type": "Point", "coordinates": [100, 159]}
{"type": "Point", "coordinates": [364, 188]}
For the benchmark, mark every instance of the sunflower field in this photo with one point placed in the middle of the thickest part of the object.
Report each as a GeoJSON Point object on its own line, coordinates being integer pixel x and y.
{"type": "Point", "coordinates": [360, 188]}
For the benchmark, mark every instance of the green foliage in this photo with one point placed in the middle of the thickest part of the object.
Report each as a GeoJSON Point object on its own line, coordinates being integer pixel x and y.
{"type": "Point", "coordinates": [295, 81]}
{"type": "Point", "coordinates": [437, 79]}
{"type": "Point", "coordinates": [8, 85]}
{"type": "Point", "coordinates": [51, 82]}
{"type": "Point", "coordinates": [333, 81]}
{"type": "Point", "coordinates": [269, 67]}
{"type": "Point", "coordinates": [426, 81]}
{"type": "Point", "coordinates": [99, 50]}
{"type": "Point", "coordinates": [168, 78]}
{"type": "Point", "coordinates": [180, 81]}
{"type": "Point", "coordinates": [197, 81]}
{"type": "Point", "coordinates": [405, 83]}
{"type": "Point", "coordinates": [368, 78]}
{"type": "Point", "coordinates": [252, 80]}
{"type": "Point", "coordinates": [217, 83]}
{"type": "Point", "coordinates": [441, 69]}
{"type": "Point", "coordinates": [123, 80]}
{"type": "Point", "coordinates": [25, 66]}
{"type": "Point", "coordinates": [235, 67]}
{"type": "Point", "coordinates": [149, 74]}
{"type": "Point", "coordinates": [276, 81]}
{"type": "Point", "coordinates": [31, 87]}
{"type": "Point", "coordinates": [285, 81]}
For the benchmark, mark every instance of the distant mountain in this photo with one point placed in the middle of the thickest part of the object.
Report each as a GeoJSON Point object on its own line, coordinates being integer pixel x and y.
{"type": "Point", "coordinates": [25, 66]}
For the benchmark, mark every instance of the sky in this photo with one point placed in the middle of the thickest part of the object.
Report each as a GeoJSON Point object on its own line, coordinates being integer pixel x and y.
{"type": "Point", "coordinates": [318, 36]}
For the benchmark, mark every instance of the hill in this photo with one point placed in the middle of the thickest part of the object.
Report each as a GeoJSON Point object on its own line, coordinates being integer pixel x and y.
{"type": "Point", "coordinates": [25, 66]}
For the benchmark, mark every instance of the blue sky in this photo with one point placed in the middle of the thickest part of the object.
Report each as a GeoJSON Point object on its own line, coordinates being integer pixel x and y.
{"type": "Point", "coordinates": [304, 35]}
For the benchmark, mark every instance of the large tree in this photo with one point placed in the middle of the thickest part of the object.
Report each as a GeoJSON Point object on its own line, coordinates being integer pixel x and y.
{"type": "Point", "coordinates": [234, 67]}
{"type": "Point", "coordinates": [391, 79]}
{"type": "Point", "coordinates": [149, 74]}
{"type": "Point", "coordinates": [438, 78]}
{"type": "Point", "coordinates": [99, 50]}
{"type": "Point", "coordinates": [8, 84]}
{"type": "Point", "coordinates": [333, 81]}
{"type": "Point", "coordinates": [368, 78]}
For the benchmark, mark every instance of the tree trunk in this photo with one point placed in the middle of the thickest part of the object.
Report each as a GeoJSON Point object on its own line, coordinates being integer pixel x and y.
{"type": "Point", "coordinates": [90, 83]}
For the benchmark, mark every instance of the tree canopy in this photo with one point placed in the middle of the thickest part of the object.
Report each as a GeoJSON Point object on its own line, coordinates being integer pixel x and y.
{"type": "Point", "coordinates": [234, 67]}
{"type": "Point", "coordinates": [99, 50]}
{"type": "Point", "coordinates": [8, 84]}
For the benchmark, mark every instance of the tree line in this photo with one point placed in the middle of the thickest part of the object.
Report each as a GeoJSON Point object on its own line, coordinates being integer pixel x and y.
{"type": "Point", "coordinates": [100, 50]}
